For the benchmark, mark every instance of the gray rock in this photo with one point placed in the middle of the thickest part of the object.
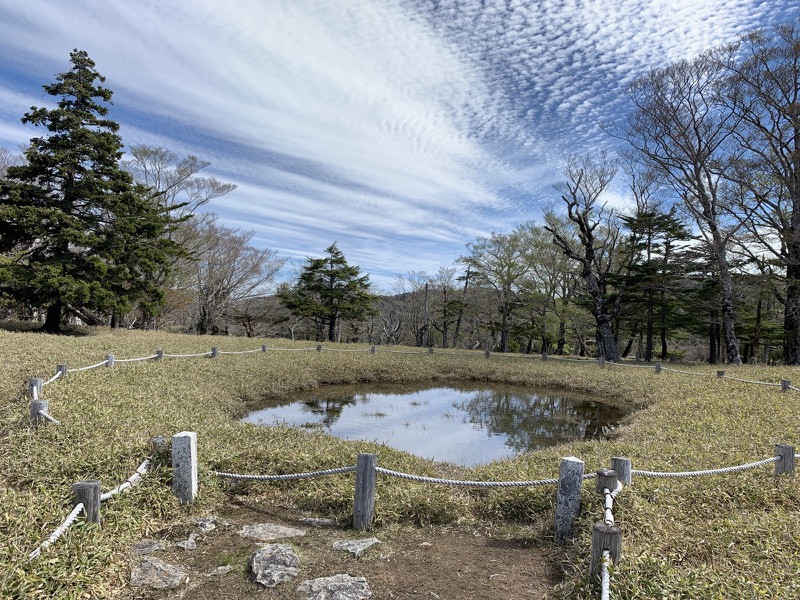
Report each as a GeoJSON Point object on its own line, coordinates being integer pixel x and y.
{"type": "Point", "coordinates": [274, 564]}
{"type": "Point", "coordinates": [266, 532]}
{"type": "Point", "coordinates": [189, 544]}
{"type": "Point", "coordinates": [148, 547]}
{"type": "Point", "coordinates": [157, 574]}
{"type": "Point", "coordinates": [315, 522]}
{"type": "Point", "coordinates": [337, 587]}
{"type": "Point", "coordinates": [206, 524]}
{"type": "Point", "coordinates": [356, 547]}
{"type": "Point", "coordinates": [220, 571]}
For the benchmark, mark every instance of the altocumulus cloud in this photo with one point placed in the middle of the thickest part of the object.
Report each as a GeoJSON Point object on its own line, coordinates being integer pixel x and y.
{"type": "Point", "coordinates": [400, 128]}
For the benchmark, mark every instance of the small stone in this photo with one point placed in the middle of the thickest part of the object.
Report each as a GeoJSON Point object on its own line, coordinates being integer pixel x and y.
{"type": "Point", "coordinates": [356, 547]}
{"type": "Point", "coordinates": [337, 587]}
{"type": "Point", "coordinates": [157, 574]}
{"type": "Point", "coordinates": [425, 545]}
{"type": "Point", "coordinates": [266, 532]}
{"type": "Point", "coordinates": [220, 571]}
{"type": "Point", "coordinates": [206, 524]}
{"type": "Point", "coordinates": [315, 522]}
{"type": "Point", "coordinates": [148, 547]}
{"type": "Point", "coordinates": [189, 544]}
{"type": "Point", "coordinates": [274, 564]}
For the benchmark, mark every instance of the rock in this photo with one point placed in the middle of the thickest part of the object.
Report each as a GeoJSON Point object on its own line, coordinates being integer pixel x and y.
{"type": "Point", "coordinates": [274, 564]}
{"type": "Point", "coordinates": [148, 547]}
{"type": "Point", "coordinates": [266, 532]}
{"type": "Point", "coordinates": [314, 522]}
{"type": "Point", "coordinates": [157, 574]}
{"type": "Point", "coordinates": [337, 587]}
{"type": "Point", "coordinates": [189, 544]}
{"type": "Point", "coordinates": [356, 547]}
{"type": "Point", "coordinates": [220, 571]}
{"type": "Point", "coordinates": [206, 524]}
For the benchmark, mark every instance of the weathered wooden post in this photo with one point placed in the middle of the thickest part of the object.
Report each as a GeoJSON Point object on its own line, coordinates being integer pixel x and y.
{"type": "Point", "coordinates": [605, 537]}
{"type": "Point", "coordinates": [109, 360]}
{"type": "Point", "coordinates": [263, 347]}
{"type": "Point", "coordinates": [544, 356]}
{"type": "Point", "coordinates": [319, 347]}
{"type": "Point", "coordinates": [35, 387]}
{"type": "Point", "coordinates": [622, 467]}
{"type": "Point", "coordinates": [487, 353]}
{"type": "Point", "coordinates": [568, 496]}
{"type": "Point", "coordinates": [38, 406]}
{"type": "Point", "coordinates": [785, 385]}
{"type": "Point", "coordinates": [214, 352]}
{"type": "Point", "coordinates": [606, 479]}
{"type": "Point", "coordinates": [184, 466]}
{"type": "Point", "coordinates": [159, 354]}
{"type": "Point", "coordinates": [720, 374]}
{"type": "Point", "coordinates": [785, 465]}
{"type": "Point", "coordinates": [88, 493]}
{"type": "Point", "coordinates": [601, 360]}
{"type": "Point", "coordinates": [364, 500]}
{"type": "Point", "coordinates": [62, 371]}
{"type": "Point", "coordinates": [430, 350]}
{"type": "Point", "coordinates": [372, 350]}
{"type": "Point", "coordinates": [658, 367]}
{"type": "Point", "coordinates": [159, 446]}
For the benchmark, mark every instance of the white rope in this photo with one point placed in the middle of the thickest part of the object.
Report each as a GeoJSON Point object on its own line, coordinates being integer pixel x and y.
{"type": "Point", "coordinates": [487, 484]}
{"type": "Point", "coordinates": [100, 364]}
{"type": "Point", "coordinates": [584, 361]}
{"type": "Point", "coordinates": [795, 389]}
{"type": "Point", "coordinates": [141, 470]}
{"type": "Point", "coordinates": [605, 576]}
{"type": "Point", "coordinates": [345, 350]}
{"type": "Point", "coordinates": [44, 415]}
{"type": "Point", "coordinates": [684, 372]}
{"type": "Point", "coordinates": [187, 355]}
{"type": "Point", "coordinates": [760, 463]}
{"type": "Point", "coordinates": [405, 352]}
{"type": "Point", "coordinates": [292, 349]}
{"type": "Point", "coordinates": [619, 364]}
{"type": "Point", "coordinates": [126, 360]}
{"type": "Point", "coordinates": [239, 352]}
{"type": "Point", "coordinates": [750, 381]}
{"type": "Point", "coordinates": [308, 475]}
{"type": "Point", "coordinates": [59, 531]}
{"type": "Point", "coordinates": [53, 378]}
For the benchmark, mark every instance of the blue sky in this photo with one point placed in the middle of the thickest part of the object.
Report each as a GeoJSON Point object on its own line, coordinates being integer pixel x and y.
{"type": "Point", "coordinates": [400, 129]}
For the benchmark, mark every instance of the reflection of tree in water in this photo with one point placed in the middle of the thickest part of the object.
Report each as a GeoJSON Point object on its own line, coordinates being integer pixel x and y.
{"type": "Point", "coordinates": [329, 408]}
{"type": "Point", "coordinates": [530, 421]}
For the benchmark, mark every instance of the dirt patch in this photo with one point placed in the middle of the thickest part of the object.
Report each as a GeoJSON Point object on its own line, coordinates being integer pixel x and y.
{"type": "Point", "coordinates": [452, 562]}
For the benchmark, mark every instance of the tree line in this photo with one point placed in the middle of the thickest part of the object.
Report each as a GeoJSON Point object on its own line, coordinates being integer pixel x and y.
{"type": "Point", "coordinates": [703, 262]}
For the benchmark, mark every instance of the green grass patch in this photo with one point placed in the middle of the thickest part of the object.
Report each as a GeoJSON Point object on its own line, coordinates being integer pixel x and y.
{"type": "Point", "coordinates": [726, 536]}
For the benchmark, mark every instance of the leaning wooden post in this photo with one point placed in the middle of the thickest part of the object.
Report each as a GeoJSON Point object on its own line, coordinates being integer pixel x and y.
{"type": "Point", "coordinates": [658, 367]}
{"type": "Point", "coordinates": [785, 465]}
{"type": "Point", "coordinates": [364, 501]}
{"type": "Point", "coordinates": [88, 493]}
{"type": "Point", "coordinates": [38, 406]}
{"type": "Point", "coordinates": [720, 374]}
{"type": "Point", "coordinates": [184, 466]}
{"type": "Point", "coordinates": [35, 386]}
{"type": "Point", "coordinates": [605, 537]}
{"type": "Point", "coordinates": [568, 496]}
{"type": "Point", "coordinates": [785, 385]}
{"type": "Point", "coordinates": [62, 371]}
{"type": "Point", "coordinates": [109, 360]}
{"type": "Point", "coordinates": [622, 467]}
{"type": "Point", "coordinates": [214, 352]}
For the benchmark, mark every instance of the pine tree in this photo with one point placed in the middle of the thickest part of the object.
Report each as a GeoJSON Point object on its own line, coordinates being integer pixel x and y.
{"type": "Point", "coordinates": [329, 290]}
{"type": "Point", "coordinates": [76, 231]}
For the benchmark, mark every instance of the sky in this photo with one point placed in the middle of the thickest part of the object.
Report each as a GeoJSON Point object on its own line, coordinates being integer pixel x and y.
{"type": "Point", "coordinates": [402, 130]}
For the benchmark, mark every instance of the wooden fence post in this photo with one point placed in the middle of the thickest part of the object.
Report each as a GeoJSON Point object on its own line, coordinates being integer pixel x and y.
{"type": "Point", "coordinates": [605, 537]}
{"type": "Point", "coordinates": [606, 480]}
{"type": "Point", "coordinates": [263, 347]}
{"type": "Point", "coordinates": [109, 360]}
{"type": "Point", "coordinates": [544, 356]}
{"type": "Point", "coordinates": [372, 350]}
{"type": "Point", "coordinates": [87, 492]}
{"type": "Point", "coordinates": [487, 353]}
{"type": "Point", "coordinates": [35, 386]}
{"type": "Point", "coordinates": [785, 465]}
{"type": "Point", "coordinates": [364, 500]}
{"type": "Point", "coordinates": [720, 374]}
{"type": "Point", "coordinates": [159, 354]}
{"type": "Point", "coordinates": [785, 385]}
{"type": "Point", "coordinates": [184, 466]}
{"type": "Point", "coordinates": [658, 367]}
{"type": "Point", "coordinates": [568, 496]}
{"type": "Point", "coordinates": [622, 467]}
{"type": "Point", "coordinates": [38, 406]}
{"type": "Point", "coordinates": [430, 350]}
{"type": "Point", "coordinates": [214, 352]}
{"type": "Point", "coordinates": [319, 347]}
{"type": "Point", "coordinates": [601, 360]}
{"type": "Point", "coordinates": [62, 368]}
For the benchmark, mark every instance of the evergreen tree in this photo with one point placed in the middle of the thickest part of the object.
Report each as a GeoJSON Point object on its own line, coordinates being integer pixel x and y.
{"type": "Point", "coordinates": [78, 233]}
{"type": "Point", "coordinates": [329, 290]}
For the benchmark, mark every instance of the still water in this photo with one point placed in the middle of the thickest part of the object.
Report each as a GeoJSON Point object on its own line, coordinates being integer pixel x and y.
{"type": "Point", "coordinates": [465, 425]}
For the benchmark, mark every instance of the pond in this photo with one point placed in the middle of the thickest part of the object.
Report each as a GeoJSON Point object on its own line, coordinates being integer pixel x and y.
{"type": "Point", "coordinates": [461, 424]}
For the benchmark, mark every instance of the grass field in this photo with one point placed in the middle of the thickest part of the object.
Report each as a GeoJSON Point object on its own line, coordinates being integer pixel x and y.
{"type": "Point", "coordinates": [732, 536]}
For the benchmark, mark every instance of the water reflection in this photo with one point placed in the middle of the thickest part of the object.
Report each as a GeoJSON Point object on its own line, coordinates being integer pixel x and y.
{"type": "Point", "coordinates": [465, 425]}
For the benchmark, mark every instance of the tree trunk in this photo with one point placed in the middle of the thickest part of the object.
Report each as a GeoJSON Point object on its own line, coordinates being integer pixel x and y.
{"type": "Point", "coordinates": [52, 322]}
{"type": "Point", "coordinates": [791, 315]}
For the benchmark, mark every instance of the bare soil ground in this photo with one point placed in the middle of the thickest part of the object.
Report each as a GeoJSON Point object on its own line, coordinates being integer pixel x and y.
{"type": "Point", "coordinates": [449, 562]}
